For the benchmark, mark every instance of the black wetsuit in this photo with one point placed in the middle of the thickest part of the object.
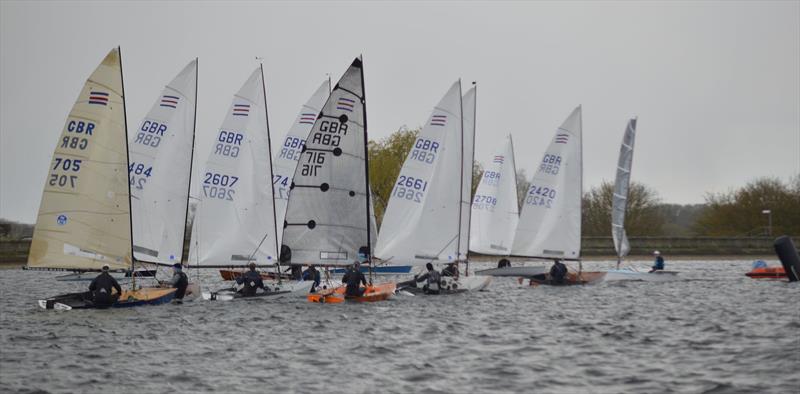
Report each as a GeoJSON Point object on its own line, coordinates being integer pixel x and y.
{"type": "Point", "coordinates": [100, 289]}
{"type": "Point", "coordinates": [450, 270]}
{"type": "Point", "coordinates": [252, 282]}
{"type": "Point", "coordinates": [180, 281]}
{"type": "Point", "coordinates": [558, 273]}
{"type": "Point", "coordinates": [354, 278]}
{"type": "Point", "coordinates": [312, 274]}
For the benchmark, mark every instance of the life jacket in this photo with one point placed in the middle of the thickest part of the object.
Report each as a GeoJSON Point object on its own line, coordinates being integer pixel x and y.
{"type": "Point", "coordinates": [558, 272]}
{"type": "Point", "coordinates": [181, 286]}
{"type": "Point", "coordinates": [433, 280]}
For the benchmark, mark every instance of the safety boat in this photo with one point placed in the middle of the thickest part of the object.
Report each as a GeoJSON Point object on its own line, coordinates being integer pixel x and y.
{"type": "Point", "coordinates": [84, 220]}
{"type": "Point", "coordinates": [762, 271]}
{"type": "Point", "coordinates": [426, 220]}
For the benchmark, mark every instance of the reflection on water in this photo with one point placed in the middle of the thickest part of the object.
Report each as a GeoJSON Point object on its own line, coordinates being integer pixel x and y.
{"type": "Point", "coordinates": [715, 331]}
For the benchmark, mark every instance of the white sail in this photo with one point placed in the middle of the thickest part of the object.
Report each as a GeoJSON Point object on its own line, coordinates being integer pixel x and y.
{"type": "Point", "coordinates": [327, 218]}
{"type": "Point", "coordinates": [160, 168]}
{"type": "Point", "coordinates": [495, 211]}
{"type": "Point", "coordinates": [550, 222]}
{"type": "Point", "coordinates": [288, 155]}
{"type": "Point", "coordinates": [619, 201]}
{"type": "Point", "coordinates": [469, 106]}
{"type": "Point", "coordinates": [235, 216]}
{"type": "Point", "coordinates": [84, 216]}
{"type": "Point", "coordinates": [421, 222]}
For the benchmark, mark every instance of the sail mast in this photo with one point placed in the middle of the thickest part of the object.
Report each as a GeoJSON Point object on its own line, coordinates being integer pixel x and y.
{"type": "Point", "coordinates": [461, 173]}
{"type": "Point", "coordinates": [191, 161]}
{"type": "Point", "coordinates": [471, 162]}
{"type": "Point", "coordinates": [366, 168]}
{"type": "Point", "coordinates": [128, 159]}
{"type": "Point", "coordinates": [271, 172]}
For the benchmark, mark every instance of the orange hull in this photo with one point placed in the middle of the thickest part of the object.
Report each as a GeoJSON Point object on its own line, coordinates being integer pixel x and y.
{"type": "Point", "coordinates": [373, 293]}
{"type": "Point", "coordinates": [767, 273]}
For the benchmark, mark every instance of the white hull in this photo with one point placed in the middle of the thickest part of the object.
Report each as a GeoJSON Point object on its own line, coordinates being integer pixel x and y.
{"type": "Point", "coordinates": [285, 289]}
{"type": "Point", "coordinates": [629, 274]}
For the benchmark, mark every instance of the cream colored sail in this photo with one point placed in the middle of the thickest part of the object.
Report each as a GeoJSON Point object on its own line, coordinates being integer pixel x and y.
{"type": "Point", "coordinates": [84, 216]}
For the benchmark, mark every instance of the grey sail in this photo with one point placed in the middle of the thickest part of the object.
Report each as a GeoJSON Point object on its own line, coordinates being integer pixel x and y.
{"type": "Point", "coordinates": [619, 201]}
{"type": "Point", "coordinates": [327, 217]}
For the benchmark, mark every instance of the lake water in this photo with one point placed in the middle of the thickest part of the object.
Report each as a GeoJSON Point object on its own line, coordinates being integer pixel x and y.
{"type": "Point", "coordinates": [714, 331]}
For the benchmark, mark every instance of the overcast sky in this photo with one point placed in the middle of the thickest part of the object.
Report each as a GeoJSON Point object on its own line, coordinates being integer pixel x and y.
{"type": "Point", "coordinates": [716, 85]}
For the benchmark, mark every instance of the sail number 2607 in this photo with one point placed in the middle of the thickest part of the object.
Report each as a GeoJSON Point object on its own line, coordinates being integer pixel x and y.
{"type": "Point", "coordinates": [219, 186]}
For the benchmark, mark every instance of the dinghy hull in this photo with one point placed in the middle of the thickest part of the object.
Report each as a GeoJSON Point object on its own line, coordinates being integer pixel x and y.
{"type": "Point", "coordinates": [128, 299]}
{"type": "Point", "coordinates": [286, 289]}
{"type": "Point", "coordinates": [233, 274]}
{"type": "Point", "coordinates": [373, 293]}
{"type": "Point", "coordinates": [573, 278]}
{"type": "Point", "coordinates": [767, 273]}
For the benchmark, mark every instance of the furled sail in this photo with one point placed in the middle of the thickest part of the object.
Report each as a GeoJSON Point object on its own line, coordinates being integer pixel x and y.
{"type": "Point", "coordinates": [84, 216]}
{"type": "Point", "coordinates": [622, 182]}
{"type": "Point", "coordinates": [160, 170]}
{"type": "Point", "coordinates": [495, 211]}
{"type": "Point", "coordinates": [235, 219]}
{"type": "Point", "coordinates": [469, 106]}
{"type": "Point", "coordinates": [288, 155]}
{"type": "Point", "coordinates": [421, 222]}
{"type": "Point", "coordinates": [550, 222]}
{"type": "Point", "coordinates": [327, 218]}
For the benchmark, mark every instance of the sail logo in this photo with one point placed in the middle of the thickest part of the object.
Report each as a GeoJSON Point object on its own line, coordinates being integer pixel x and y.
{"type": "Point", "coordinates": [345, 104]}
{"type": "Point", "coordinates": [307, 118]}
{"type": "Point", "coordinates": [169, 101]}
{"type": "Point", "coordinates": [98, 98]}
{"type": "Point", "coordinates": [498, 159]}
{"type": "Point", "coordinates": [61, 220]}
{"type": "Point", "coordinates": [241, 109]}
{"type": "Point", "coordinates": [562, 138]}
{"type": "Point", "coordinates": [438, 120]}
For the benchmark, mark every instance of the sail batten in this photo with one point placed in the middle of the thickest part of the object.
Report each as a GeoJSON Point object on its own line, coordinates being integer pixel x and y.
{"type": "Point", "coordinates": [84, 215]}
{"type": "Point", "coordinates": [622, 181]}
{"type": "Point", "coordinates": [550, 221]}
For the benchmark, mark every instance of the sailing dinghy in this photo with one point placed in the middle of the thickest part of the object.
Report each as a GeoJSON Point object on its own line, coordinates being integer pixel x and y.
{"type": "Point", "coordinates": [425, 221]}
{"type": "Point", "coordinates": [550, 223]}
{"type": "Point", "coordinates": [84, 219]}
{"type": "Point", "coordinates": [235, 220]}
{"type": "Point", "coordinates": [619, 204]}
{"type": "Point", "coordinates": [160, 172]}
{"type": "Point", "coordinates": [327, 220]}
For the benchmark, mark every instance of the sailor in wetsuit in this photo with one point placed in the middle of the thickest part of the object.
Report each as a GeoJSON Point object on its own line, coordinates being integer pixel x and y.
{"type": "Point", "coordinates": [179, 281]}
{"type": "Point", "coordinates": [354, 278]}
{"type": "Point", "coordinates": [311, 273]}
{"type": "Point", "coordinates": [450, 270]}
{"type": "Point", "coordinates": [433, 280]}
{"type": "Point", "coordinates": [100, 289]}
{"type": "Point", "coordinates": [558, 272]}
{"type": "Point", "coordinates": [251, 281]}
{"type": "Point", "coordinates": [659, 264]}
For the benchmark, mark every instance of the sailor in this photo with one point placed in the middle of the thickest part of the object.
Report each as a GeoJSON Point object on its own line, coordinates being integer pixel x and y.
{"type": "Point", "coordinates": [100, 289]}
{"type": "Point", "coordinates": [296, 271]}
{"type": "Point", "coordinates": [433, 279]}
{"type": "Point", "coordinates": [659, 264]}
{"type": "Point", "coordinates": [179, 281]}
{"type": "Point", "coordinates": [311, 273]}
{"type": "Point", "coordinates": [251, 281]}
{"type": "Point", "coordinates": [558, 272]}
{"type": "Point", "coordinates": [451, 270]}
{"type": "Point", "coordinates": [503, 263]}
{"type": "Point", "coordinates": [354, 278]}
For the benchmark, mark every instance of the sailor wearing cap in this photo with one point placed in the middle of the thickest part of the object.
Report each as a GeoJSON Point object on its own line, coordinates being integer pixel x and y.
{"type": "Point", "coordinates": [179, 281]}
{"type": "Point", "coordinates": [101, 289]}
{"type": "Point", "coordinates": [659, 264]}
